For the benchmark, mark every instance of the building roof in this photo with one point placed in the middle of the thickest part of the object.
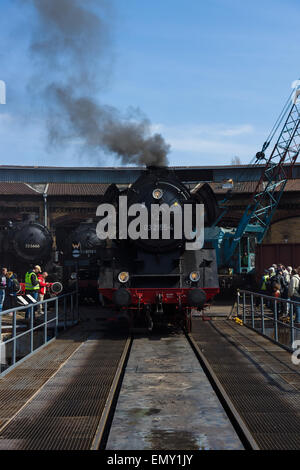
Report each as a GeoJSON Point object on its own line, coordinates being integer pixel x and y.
{"type": "Point", "coordinates": [16, 189]}
{"type": "Point", "coordinates": [54, 189]}
{"type": "Point", "coordinates": [126, 175]}
{"type": "Point", "coordinates": [68, 189]}
{"type": "Point", "coordinates": [250, 186]}
{"type": "Point", "coordinates": [133, 167]}
{"type": "Point", "coordinates": [98, 189]}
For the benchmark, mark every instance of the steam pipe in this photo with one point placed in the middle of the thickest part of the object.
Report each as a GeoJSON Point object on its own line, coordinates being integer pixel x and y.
{"type": "Point", "coordinates": [46, 206]}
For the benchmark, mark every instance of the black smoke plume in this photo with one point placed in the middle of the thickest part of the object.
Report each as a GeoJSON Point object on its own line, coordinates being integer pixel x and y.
{"type": "Point", "coordinates": [69, 47]}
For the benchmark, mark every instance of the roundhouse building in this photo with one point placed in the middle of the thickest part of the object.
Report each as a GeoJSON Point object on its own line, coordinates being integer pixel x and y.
{"type": "Point", "coordinates": [62, 206]}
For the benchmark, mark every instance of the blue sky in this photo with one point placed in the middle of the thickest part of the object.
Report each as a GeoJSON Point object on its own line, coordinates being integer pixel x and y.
{"type": "Point", "coordinates": [212, 76]}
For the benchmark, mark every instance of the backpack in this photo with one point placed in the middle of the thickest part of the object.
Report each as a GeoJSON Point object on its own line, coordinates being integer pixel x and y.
{"type": "Point", "coordinates": [277, 279]}
{"type": "Point", "coordinates": [269, 285]}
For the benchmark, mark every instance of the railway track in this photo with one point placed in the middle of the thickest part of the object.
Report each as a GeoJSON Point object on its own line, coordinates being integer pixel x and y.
{"type": "Point", "coordinates": [151, 392]}
{"type": "Point", "coordinates": [231, 411]}
{"type": "Point", "coordinates": [172, 400]}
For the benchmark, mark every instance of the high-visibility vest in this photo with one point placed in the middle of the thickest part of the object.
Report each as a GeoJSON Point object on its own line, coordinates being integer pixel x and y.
{"type": "Point", "coordinates": [264, 282]}
{"type": "Point", "coordinates": [28, 284]}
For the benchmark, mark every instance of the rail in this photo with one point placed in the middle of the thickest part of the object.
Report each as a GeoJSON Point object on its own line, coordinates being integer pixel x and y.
{"type": "Point", "coordinates": [24, 330]}
{"type": "Point", "coordinates": [270, 316]}
{"type": "Point", "coordinates": [234, 416]}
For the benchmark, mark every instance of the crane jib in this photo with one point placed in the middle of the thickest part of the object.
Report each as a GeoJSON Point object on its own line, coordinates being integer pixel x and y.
{"type": "Point", "coordinates": [275, 174]}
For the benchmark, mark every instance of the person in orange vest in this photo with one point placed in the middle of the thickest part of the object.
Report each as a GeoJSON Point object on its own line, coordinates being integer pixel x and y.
{"type": "Point", "coordinates": [43, 285]}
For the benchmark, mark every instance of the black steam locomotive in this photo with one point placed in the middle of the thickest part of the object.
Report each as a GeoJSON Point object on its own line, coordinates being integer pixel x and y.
{"type": "Point", "coordinates": [24, 244]}
{"type": "Point", "coordinates": [86, 268]}
{"type": "Point", "coordinates": [156, 281]}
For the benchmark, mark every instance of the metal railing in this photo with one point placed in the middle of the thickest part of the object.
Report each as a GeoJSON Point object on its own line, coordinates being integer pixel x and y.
{"type": "Point", "coordinates": [270, 316]}
{"type": "Point", "coordinates": [24, 330]}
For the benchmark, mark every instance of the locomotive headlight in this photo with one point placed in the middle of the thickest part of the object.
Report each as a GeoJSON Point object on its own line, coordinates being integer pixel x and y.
{"type": "Point", "coordinates": [194, 276]}
{"type": "Point", "coordinates": [157, 193]}
{"type": "Point", "coordinates": [123, 277]}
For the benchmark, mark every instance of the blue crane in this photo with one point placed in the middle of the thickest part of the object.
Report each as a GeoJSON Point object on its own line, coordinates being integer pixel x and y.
{"type": "Point", "coordinates": [276, 171]}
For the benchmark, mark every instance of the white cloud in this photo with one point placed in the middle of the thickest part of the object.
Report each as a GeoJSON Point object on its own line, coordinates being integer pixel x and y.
{"type": "Point", "coordinates": [215, 141]}
{"type": "Point", "coordinates": [237, 130]}
{"type": "Point", "coordinates": [216, 130]}
{"type": "Point", "coordinates": [6, 118]}
{"type": "Point", "coordinates": [207, 146]}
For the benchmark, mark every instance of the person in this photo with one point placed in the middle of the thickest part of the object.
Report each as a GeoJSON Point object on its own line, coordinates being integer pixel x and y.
{"type": "Point", "coordinates": [272, 270]}
{"type": "Point", "coordinates": [263, 286]}
{"type": "Point", "coordinates": [3, 282]}
{"type": "Point", "coordinates": [13, 287]}
{"type": "Point", "coordinates": [244, 260]}
{"type": "Point", "coordinates": [285, 281]}
{"type": "Point", "coordinates": [32, 285]}
{"type": "Point", "coordinates": [281, 280]}
{"type": "Point", "coordinates": [288, 275]}
{"type": "Point", "coordinates": [294, 292]}
{"type": "Point", "coordinates": [276, 290]}
{"type": "Point", "coordinates": [264, 280]}
{"type": "Point", "coordinates": [269, 282]}
{"type": "Point", "coordinates": [43, 284]}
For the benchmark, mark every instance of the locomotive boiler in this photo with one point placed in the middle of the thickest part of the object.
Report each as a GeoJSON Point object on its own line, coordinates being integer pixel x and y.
{"type": "Point", "coordinates": [157, 280]}
{"type": "Point", "coordinates": [26, 243]}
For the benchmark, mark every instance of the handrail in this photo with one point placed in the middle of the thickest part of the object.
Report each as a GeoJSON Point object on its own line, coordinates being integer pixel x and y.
{"type": "Point", "coordinates": [24, 307]}
{"type": "Point", "coordinates": [9, 359]}
{"type": "Point", "coordinates": [265, 319]}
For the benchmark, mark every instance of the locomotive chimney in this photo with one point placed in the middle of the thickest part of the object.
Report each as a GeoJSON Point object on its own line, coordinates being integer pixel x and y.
{"type": "Point", "coordinates": [156, 167]}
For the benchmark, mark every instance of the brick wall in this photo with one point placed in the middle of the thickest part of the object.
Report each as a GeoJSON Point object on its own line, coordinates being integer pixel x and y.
{"type": "Point", "coordinates": [286, 229]}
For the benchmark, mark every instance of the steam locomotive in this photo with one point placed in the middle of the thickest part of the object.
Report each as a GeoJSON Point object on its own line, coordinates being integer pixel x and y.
{"type": "Point", "coordinates": [151, 282]}
{"type": "Point", "coordinates": [84, 238]}
{"type": "Point", "coordinates": [25, 243]}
